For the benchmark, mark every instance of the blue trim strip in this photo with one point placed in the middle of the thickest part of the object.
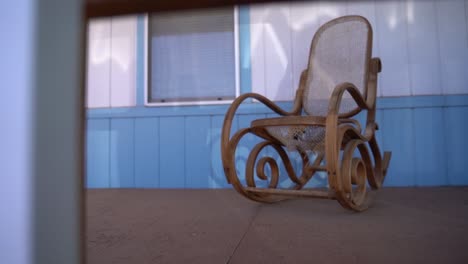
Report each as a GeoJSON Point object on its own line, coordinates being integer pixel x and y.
{"type": "Point", "coordinates": [140, 61]}
{"type": "Point", "coordinates": [244, 50]}
{"type": "Point", "coordinates": [258, 108]}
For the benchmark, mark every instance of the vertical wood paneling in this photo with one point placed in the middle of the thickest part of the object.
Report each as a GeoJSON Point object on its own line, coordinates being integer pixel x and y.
{"type": "Point", "coordinates": [218, 178]}
{"type": "Point", "coordinates": [392, 35]}
{"type": "Point", "coordinates": [456, 128]}
{"type": "Point", "coordinates": [398, 133]}
{"type": "Point", "coordinates": [98, 63]}
{"type": "Point", "coordinates": [197, 151]}
{"type": "Point", "coordinates": [147, 152]}
{"type": "Point", "coordinates": [429, 147]}
{"type": "Point", "coordinates": [122, 153]}
{"type": "Point", "coordinates": [123, 61]}
{"type": "Point", "coordinates": [424, 57]}
{"type": "Point", "coordinates": [97, 153]}
{"type": "Point", "coordinates": [453, 40]}
{"type": "Point", "coordinates": [171, 152]}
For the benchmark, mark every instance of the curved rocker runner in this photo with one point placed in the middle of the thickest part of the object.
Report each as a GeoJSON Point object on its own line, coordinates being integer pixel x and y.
{"type": "Point", "coordinates": [339, 82]}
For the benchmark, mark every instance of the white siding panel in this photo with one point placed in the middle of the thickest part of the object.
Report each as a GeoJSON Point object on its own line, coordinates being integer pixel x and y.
{"type": "Point", "coordinates": [392, 35]}
{"type": "Point", "coordinates": [123, 64]}
{"type": "Point", "coordinates": [304, 24]}
{"type": "Point", "coordinates": [98, 63]}
{"type": "Point", "coordinates": [277, 44]}
{"type": "Point", "coordinates": [306, 18]}
{"type": "Point", "coordinates": [257, 53]}
{"type": "Point", "coordinates": [451, 18]}
{"type": "Point", "coordinates": [258, 12]}
{"type": "Point", "coordinates": [424, 57]}
{"type": "Point", "coordinates": [367, 10]}
{"type": "Point", "coordinates": [331, 9]}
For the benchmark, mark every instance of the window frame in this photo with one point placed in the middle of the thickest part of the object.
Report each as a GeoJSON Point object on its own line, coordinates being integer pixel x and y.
{"type": "Point", "coordinates": [147, 85]}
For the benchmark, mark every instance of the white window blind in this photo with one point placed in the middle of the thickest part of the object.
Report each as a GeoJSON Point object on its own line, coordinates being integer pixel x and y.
{"type": "Point", "coordinates": [192, 56]}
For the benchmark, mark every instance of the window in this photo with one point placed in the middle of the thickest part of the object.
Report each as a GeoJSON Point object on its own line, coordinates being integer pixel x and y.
{"type": "Point", "coordinates": [192, 57]}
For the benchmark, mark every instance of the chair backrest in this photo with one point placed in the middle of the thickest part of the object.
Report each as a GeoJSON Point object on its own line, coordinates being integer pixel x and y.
{"type": "Point", "coordinates": [340, 52]}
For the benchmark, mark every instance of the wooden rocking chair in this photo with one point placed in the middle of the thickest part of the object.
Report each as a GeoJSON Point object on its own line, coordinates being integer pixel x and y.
{"type": "Point", "coordinates": [339, 82]}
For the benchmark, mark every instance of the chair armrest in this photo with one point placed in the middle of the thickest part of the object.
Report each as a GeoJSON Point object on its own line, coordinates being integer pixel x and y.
{"type": "Point", "coordinates": [334, 106]}
{"type": "Point", "coordinates": [225, 134]}
{"type": "Point", "coordinates": [375, 65]}
{"type": "Point", "coordinates": [337, 95]}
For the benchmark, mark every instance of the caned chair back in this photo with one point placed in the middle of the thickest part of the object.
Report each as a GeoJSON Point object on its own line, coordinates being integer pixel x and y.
{"type": "Point", "coordinates": [340, 52]}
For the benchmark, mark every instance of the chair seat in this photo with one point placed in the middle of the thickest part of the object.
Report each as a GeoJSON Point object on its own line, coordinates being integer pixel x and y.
{"type": "Point", "coordinates": [304, 138]}
{"type": "Point", "coordinates": [305, 133]}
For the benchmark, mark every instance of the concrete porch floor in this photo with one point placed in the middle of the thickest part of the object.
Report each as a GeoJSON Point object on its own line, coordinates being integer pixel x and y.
{"type": "Point", "coordinates": [404, 225]}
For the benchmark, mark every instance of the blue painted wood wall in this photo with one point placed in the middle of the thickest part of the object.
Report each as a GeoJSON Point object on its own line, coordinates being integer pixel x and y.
{"type": "Point", "coordinates": [179, 147]}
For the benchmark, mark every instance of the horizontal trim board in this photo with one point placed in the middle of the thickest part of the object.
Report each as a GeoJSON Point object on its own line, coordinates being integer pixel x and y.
{"type": "Point", "coordinates": [383, 103]}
